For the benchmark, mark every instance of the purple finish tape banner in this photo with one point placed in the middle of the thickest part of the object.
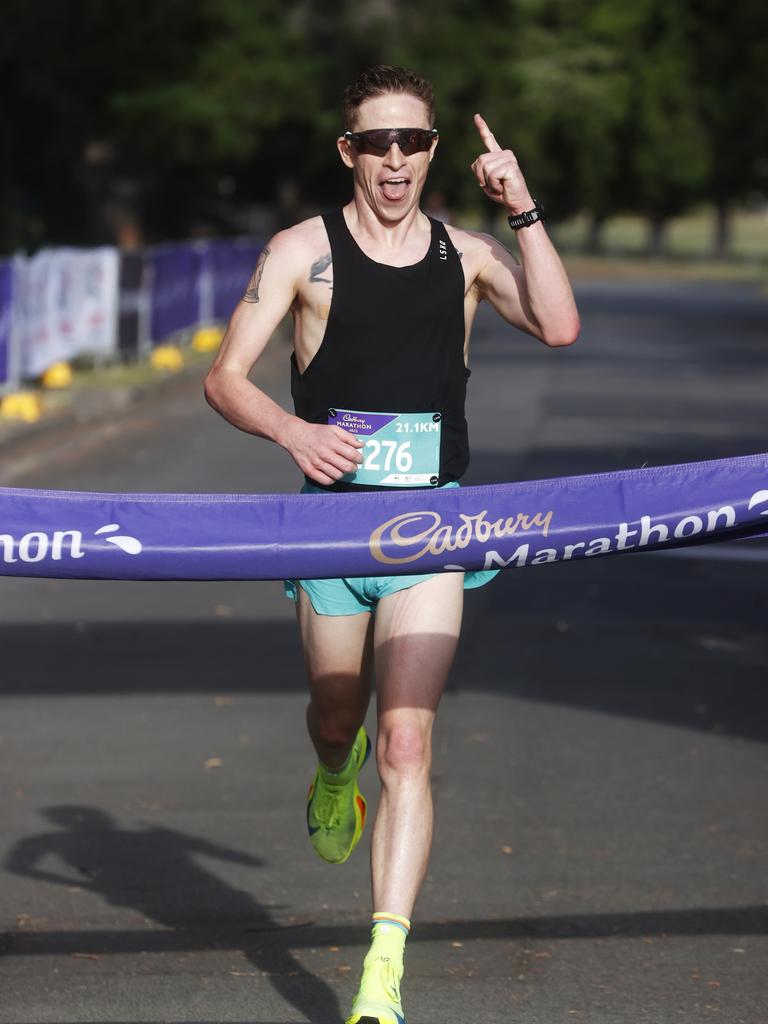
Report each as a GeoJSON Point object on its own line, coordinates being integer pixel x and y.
{"type": "Point", "coordinates": [274, 536]}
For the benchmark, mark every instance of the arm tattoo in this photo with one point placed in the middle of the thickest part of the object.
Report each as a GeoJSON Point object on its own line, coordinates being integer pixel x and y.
{"type": "Point", "coordinates": [317, 269]}
{"type": "Point", "coordinates": [252, 291]}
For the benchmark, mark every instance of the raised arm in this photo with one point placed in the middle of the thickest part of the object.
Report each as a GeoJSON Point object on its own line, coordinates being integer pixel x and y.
{"type": "Point", "coordinates": [322, 452]}
{"type": "Point", "coordinates": [537, 296]}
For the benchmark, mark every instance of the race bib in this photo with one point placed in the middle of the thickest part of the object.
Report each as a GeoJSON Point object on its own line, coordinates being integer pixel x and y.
{"type": "Point", "coordinates": [402, 449]}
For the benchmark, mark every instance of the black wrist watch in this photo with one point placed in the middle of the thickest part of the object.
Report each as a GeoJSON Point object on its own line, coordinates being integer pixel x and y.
{"type": "Point", "coordinates": [524, 220]}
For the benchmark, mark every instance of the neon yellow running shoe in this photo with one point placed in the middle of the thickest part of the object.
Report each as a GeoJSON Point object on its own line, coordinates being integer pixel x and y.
{"type": "Point", "coordinates": [336, 807]}
{"type": "Point", "coordinates": [378, 1001]}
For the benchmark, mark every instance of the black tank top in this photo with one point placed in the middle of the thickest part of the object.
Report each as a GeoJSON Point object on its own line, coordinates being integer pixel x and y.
{"type": "Point", "coordinates": [394, 342]}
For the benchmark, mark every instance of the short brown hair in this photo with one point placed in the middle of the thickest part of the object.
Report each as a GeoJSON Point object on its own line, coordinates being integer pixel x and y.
{"type": "Point", "coordinates": [381, 79]}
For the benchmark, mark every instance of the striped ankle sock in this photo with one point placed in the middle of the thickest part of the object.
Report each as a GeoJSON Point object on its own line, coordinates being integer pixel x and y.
{"type": "Point", "coordinates": [383, 922]}
{"type": "Point", "coordinates": [388, 937]}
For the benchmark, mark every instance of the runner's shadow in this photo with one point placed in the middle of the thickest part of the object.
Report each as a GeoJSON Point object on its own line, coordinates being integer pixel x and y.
{"type": "Point", "coordinates": [155, 872]}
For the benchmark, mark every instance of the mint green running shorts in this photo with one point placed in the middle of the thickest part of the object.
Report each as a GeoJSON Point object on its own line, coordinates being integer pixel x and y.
{"type": "Point", "coordinates": [351, 595]}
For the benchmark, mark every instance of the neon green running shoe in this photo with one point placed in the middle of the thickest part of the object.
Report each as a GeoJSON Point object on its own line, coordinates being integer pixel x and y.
{"type": "Point", "coordinates": [378, 1001]}
{"type": "Point", "coordinates": [336, 809]}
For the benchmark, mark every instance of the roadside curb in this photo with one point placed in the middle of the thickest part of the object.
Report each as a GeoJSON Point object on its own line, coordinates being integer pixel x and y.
{"type": "Point", "coordinates": [72, 412]}
{"type": "Point", "coordinates": [86, 406]}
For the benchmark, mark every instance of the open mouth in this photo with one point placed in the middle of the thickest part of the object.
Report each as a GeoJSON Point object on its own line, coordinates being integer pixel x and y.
{"type": "Point", "coordinates": [395, 188]}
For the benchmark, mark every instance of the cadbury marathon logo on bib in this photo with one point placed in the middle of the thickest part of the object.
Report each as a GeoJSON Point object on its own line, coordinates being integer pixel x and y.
{"type": "Point", "coordinates": [401, 449]}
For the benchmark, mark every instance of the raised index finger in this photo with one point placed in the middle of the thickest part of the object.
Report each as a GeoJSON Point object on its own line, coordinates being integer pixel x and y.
{"type": "Point", "coordinates": [486, 135]}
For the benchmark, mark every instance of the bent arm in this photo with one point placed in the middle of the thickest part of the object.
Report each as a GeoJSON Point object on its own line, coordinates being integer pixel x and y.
{"type": "Point", "coordinates": [27, 853]}
{"type": "Point", "coordinates": [537, 296]}
{"type": "Point", "coordinates": [256, 317]}
{"type": "Point", "coordinates": [322, 452]}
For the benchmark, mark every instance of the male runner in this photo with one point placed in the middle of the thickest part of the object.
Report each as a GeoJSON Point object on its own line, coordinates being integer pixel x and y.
{"type": "Point", "coordinates": [383, 300]}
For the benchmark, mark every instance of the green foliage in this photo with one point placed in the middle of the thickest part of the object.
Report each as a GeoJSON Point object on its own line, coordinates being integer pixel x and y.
{"type": "Point", "coordinates": [573, 99]}
{"type": "Point", "coordinates": [666, 144]}
{"type": "Point", "coordinates": [730, 67]}
{"type": "Point", "coordinates": [255, 72]}
{"type": "Point", "coordinates": [645, 106]}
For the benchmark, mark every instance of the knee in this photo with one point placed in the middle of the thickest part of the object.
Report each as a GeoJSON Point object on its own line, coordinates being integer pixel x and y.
{"type": "Point", "coordinates": [334, 727]}
{"type": "Point", "coordinates": [403, 749]}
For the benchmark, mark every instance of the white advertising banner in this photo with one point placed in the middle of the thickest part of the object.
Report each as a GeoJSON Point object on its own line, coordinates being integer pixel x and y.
{"type": "Point", "coordinates": [96, 315]}
{"type": "Point", "coordinates": [70, 299]}
{"type": "Point", "coordinates": [38, 347]}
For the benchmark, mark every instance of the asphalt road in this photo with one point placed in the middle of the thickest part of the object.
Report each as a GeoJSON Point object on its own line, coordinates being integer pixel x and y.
{"type": "Point", "coordinates": [600, 770]}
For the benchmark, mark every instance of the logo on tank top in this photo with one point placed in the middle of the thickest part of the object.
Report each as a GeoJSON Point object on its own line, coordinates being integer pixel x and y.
{"type": "Point", "coordinates": [443, 249]}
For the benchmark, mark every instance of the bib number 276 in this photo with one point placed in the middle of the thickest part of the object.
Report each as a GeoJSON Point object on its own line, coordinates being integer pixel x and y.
{"type": "Point", "coordinates": [382, 455]}
{"type": "Point", "coordinates": [399, 449]}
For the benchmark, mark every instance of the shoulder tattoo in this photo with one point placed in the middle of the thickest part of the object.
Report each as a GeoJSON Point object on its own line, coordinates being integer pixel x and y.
{"type": "Point", "coordinates": [318, 268]}
{"type": "Point", "coordinates": [252, 291]}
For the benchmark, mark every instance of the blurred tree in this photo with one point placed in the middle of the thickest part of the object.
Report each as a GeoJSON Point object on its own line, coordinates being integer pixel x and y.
{"type": "Point", "coordinates": [730, 46]}
{"type": "Point", "coordinates": [242, 94]}
{"type": "Point", "coordinates": [609, 103]}
{"type": "Point", "coordinates": [60, 65]}
{"type": "Point", "coordinates": [253, 72]}
{"type": "Point", "coordinates": [263, 97]}
{"type": "Point", "coordinates": [573, 103]}
{"type": "Point", "coordinates": [665, 145]}
{"type": "Point", "coordinates": [472, 63]}
{"type": "Point", "coordinates": [186, 113]}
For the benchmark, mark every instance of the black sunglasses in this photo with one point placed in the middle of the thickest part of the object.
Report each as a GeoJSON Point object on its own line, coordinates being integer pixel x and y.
{"type": "Point", "coordinates": [378, 140]}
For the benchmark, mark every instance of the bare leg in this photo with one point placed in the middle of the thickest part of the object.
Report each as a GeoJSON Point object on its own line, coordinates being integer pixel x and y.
{"type": "Point", "coordinates": [337, 654]}
{"type": "Point", "coordinates": [416, 633]}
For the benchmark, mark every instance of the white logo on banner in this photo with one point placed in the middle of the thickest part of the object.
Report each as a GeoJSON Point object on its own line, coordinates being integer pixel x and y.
{"type": "Point", "coordinates": [130, 545]}
{"type": "Point", "coordinates": [37, 545]}
{"type": "Point", "coordinates": [758, 498]}
{"type": "Point", "coordinates": [411, 535]}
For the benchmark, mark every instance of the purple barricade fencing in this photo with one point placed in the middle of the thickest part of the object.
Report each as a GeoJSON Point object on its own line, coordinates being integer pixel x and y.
{"type": "Point", "coordinates": [61, 303]}
{"type": "Point", "coordinates": [134, 301]}
{"type": "Point", "coordinates": [196, 283]}
{"type": "Point", "coordinates": [176, 272]}
{"type": "Point", "coordinates": [310, 536]}
{"type": "Point", "coordinates": [6, 323]}
{"type": "Point", "coordinates": [230, 265]}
